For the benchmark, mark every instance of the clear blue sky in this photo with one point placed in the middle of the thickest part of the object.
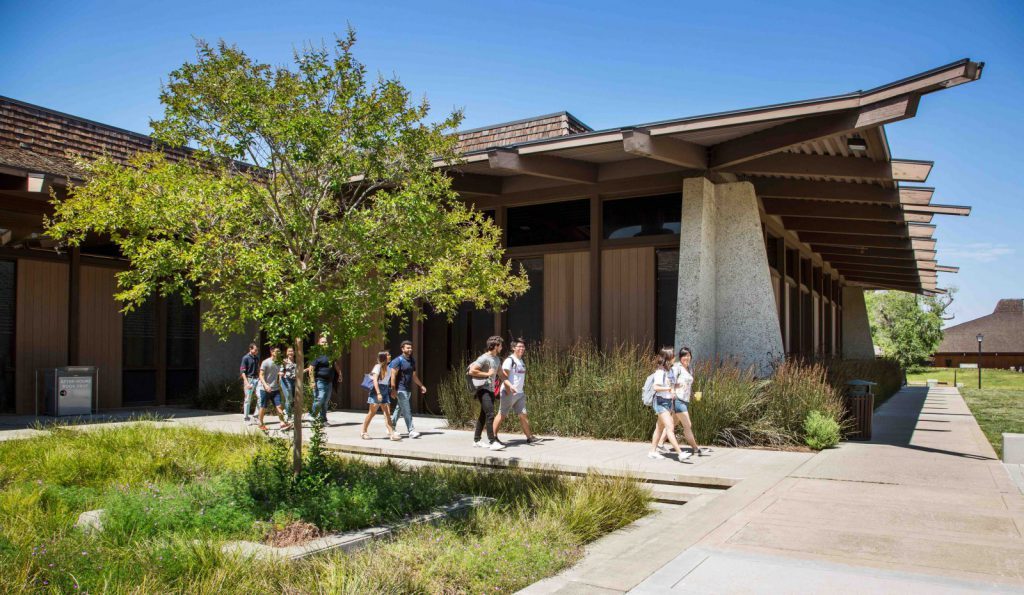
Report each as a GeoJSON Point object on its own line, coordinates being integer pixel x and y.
{"type": "Point", "coordinates": [609, 63]}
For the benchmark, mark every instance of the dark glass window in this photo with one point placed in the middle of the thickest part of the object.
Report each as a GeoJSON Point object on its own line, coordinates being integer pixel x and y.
{"type": "Point", "coordinates": [772, 247]}
{"type": "Point", "coordinates": [644, 216]}
{"type": "Point", "coordinates": [791, 262]}
{"type": "Point", "coordinates": [551, 223]}
{"type": "Point", "coordinates": [138, 340]}
{"type": "Point", "coordinates": [526, 313]}
{"type": "Point", "coordinates": [667, 286]}
{"type": "Point", "coordinates": [182, 333]}
{"type": "Point", "coordinates": [805, 272]}
{"type": "Point", "coordinates": [8, 279]}
{"type": "Point", "coordinates": [398, 330]}
{"type": "Point", "coordinates": [793, 300]}
{"type": "Point", "coordinates": [469, 332]}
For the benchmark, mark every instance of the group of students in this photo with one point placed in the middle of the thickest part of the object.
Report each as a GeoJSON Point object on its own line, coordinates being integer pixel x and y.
{"type": "Point", "coordinates": [490, 380]}
{"type": "Point", "coordinates": [672, 386]}
{"type": "Point", "coordinates": [265, 383]}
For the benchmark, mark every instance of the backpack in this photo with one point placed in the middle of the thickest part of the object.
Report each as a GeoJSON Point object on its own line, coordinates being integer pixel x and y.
{"type": "Point", "coordinates": [648, 392]}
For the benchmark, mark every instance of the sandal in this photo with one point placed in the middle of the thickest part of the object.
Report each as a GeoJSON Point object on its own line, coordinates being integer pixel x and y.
{"type": "Point", "coordinates": [364, 436]}
{"type": "Point", "coordinates": [395, 437]}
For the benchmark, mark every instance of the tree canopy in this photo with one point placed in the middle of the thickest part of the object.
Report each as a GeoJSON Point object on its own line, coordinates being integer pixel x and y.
{"type": "Point", "coordinates": [310, 201]}
{"type": "Point", "coordinates": [907, 327]}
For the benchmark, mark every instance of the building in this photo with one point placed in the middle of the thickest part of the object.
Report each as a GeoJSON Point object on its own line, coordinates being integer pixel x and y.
{"type": "Point", "coordinates": [748, 234]}
{"type": "Point", "coordinates": [1003, 344]}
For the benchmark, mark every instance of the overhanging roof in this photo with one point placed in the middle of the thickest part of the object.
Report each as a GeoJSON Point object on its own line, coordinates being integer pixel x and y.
{"type": "Point", "coordinates": [822, 160]}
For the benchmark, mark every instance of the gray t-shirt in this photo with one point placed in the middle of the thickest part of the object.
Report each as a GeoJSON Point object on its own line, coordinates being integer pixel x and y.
{"type": "Point", "coordinates": [488, 362]}
{"type": "Point", "coordinates": [270, 371]}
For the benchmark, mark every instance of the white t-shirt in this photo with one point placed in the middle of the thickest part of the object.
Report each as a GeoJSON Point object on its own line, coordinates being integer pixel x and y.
{"type": "Point", "coordinates": [375, 372]}
{"type": "Point", "coordinates": [516, 370]}
{"type": "Point", "coordinates": [663, 377]}
{"type": "Point", "coordinates": [684, 382]}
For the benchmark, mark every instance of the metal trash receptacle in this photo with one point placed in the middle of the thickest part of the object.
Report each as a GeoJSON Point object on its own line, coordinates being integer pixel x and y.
{"type": "Point", "coordinates": [70, 390]}
{"type": "Point", "coordinates": [860, 408]}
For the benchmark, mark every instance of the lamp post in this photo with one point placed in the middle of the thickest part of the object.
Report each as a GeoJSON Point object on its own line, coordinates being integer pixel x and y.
{"type": "Point", "coordinates": [981, 338]}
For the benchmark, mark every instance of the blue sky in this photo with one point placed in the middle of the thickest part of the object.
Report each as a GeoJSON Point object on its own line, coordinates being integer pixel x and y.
{"type": "Point", "coordinates": [610, 64]}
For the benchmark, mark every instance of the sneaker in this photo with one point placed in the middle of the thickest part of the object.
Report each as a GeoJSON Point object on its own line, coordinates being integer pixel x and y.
{"type": "Point", "coordinates": [685, 455]}
{"type": "Point", "coordinates": [500, 442]}
{"type": "Point", "coordinates": [481, 444]}
{"type": "Point", "coordinates": [246, 418]}
{"type": "Point", "coordinates": [414, 434]}
{"type": "Point", "coordinates": [703, 452]}
{"type": "Point", "coordinates": [496, 446]}
{"type": "Point", "coordinates": [664, 448]}
{"type": "Point", "coordinates": [534, 440]}
{"type": "Point", "coordinates": [655, 455]}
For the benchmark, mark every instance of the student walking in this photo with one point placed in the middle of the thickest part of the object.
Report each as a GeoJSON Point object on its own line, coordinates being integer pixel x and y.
{"type": "Point", "coordinates": [250, 372]}
{"type": "Point", "coordinates": [486, 371]}
{"type": "Point", "coordinates": [683, 377]}
{"type": "Point", "coordinates": [513, 397]}
{"type": "Point", "coordinates": [664, 404]}
{"type": "Point", "coordinates": [403, 379]}
{"type": "Point", "coordinates": [323, 373]}
{"type": "Point", "coordinates": [379, 396]}
{"type": "Point", "coordinates": [288, 371]}
{"type": "Point", "coordinates": [270, 385]}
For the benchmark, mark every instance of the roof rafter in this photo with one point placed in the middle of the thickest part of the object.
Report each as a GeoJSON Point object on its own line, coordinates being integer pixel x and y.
{"type": "Point", "coordinates": [797, 164]}
{"type": "Point", "coordinates": [799, 207]}
{"type": "Point", "coordinates": [639, 142]}
{"type": "Point", "coordinates": [874, 228]}
{"type": "Point", "coordinates": [960, 211]}
{"type": "Point", "coordinates": [543, 166]}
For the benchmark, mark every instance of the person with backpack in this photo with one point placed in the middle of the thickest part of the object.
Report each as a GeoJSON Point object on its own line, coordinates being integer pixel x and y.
{"type": "Point", "coordinates": [484, 376]}
{"type": "Point", "coordinates": [658, 392]}
{"type": "Point", "coordinates": [380, 395]}
{"type": "Point", "coordinates": [513, 398]}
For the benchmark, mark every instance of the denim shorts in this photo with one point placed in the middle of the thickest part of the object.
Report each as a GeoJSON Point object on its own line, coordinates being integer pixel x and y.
{"type": "Point", "coordinates": [268, 397]}
{"type": "Point", "coordinates": [385, 396]}
{"type": "Point", "coordinates": [671, 405]}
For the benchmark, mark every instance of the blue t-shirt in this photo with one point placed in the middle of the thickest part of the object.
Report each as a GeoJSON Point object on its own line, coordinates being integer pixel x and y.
{"type": "Point", "coordinates": [405, 369]}
{"type": "Point", "coordinates": [323, 369]}
{"type": "Point", "coordinates": [250, 366]}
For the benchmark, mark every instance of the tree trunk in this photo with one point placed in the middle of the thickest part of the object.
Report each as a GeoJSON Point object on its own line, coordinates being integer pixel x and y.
{"type": "Point", "coordinates": [298, 407]}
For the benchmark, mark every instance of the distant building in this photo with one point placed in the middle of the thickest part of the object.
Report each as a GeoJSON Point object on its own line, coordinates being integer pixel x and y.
{"type": "Point", "coordinates": [1003, 344]}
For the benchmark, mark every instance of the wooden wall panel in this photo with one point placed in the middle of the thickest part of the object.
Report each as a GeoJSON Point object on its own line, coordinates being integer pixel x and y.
{"type": "Point", "coordinates": [628, 296]}
{"type": "Point", "coordinates": [567, 297]}
{"type": "Point", "coordinates": [41, 332]}
{"type": "Point", "coordinates": [361, 361]}
{"type": "Point", "coordinates": [99, 338]}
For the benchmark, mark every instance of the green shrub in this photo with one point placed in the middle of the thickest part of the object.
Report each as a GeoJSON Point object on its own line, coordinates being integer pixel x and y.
{"type": "Point", "coordinates": [820, 431]}
{"type": "Point", "coordinates": [795, 390]}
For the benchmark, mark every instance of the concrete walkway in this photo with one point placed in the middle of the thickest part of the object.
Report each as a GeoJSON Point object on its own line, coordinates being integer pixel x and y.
{"type": "Point", "coordinates": [925, 506]}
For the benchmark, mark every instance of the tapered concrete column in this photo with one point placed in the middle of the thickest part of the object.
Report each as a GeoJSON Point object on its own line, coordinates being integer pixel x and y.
{"type": "Point", "coordinates": [726, 307]}
{"type": "Point", "coordinates": [857, 343]}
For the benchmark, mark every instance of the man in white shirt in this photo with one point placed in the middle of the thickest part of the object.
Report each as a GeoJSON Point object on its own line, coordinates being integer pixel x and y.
{"type": "Point", "coordinates": [513, 397]}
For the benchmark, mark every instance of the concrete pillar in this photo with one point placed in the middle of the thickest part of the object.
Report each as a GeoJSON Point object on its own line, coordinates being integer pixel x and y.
{"type": "Point", "coordinates": [726, 307]}
{"type": "Point", "coordinates": [857, 343]}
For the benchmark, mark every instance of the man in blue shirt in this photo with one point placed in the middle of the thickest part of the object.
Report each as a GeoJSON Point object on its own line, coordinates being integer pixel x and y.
{"type": "Point", "coordinates": [250, 372]}
{"type": "Point", "coordinates": [403, 378]}
{"type": "Point", "coordinates": [323, 373]}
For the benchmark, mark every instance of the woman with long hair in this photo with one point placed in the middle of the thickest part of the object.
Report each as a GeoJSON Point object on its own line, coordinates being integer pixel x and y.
{"type": "Point", "coordinates": [664, 404]}
{"type": "Point", "coordinates": [683, 376]}
{"type": "Point", "coordinates": [380, 396]}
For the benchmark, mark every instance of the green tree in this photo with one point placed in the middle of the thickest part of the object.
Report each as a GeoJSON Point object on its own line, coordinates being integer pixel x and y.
{"type": "Point", "coordinates": [311, 201]}
{"type": "Point", "coordinates": [907, 327]}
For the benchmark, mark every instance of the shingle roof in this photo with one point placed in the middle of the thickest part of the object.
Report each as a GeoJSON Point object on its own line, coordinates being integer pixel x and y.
{"type": "Point", "coordinates": [1003, 331]}
{"type": "Point", "coordinates": [41, 140]}
{"type": "Point", "coordinates": [519, 131]}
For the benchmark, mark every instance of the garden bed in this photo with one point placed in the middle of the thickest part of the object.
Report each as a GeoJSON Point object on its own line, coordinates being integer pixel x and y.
{"type": "Point", "coordinates": [175, 496]}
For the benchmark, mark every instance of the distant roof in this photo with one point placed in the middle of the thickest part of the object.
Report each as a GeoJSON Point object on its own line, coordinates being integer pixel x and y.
{"type": "Point", "coordinates": [520, 131]}
{"type": "Point", "coordinates": [1003, 331]}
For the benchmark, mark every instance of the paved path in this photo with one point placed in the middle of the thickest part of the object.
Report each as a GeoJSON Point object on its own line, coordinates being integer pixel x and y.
{"type": "Point", "coordinates": [925, 506]}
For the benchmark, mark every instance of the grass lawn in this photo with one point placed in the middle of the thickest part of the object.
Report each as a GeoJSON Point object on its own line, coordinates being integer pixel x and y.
{"type": "Point", "coordinates": [998, 406]}
{"type": "Point", "coordinates": [173, 495]}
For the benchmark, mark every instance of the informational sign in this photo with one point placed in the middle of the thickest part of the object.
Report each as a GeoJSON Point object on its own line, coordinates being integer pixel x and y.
{"type": "Point", "coordinates": [970, 366]}
{"type": "Point", "coordinates": [74, 395]}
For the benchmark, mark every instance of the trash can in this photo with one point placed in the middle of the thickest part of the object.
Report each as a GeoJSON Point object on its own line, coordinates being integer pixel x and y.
{"type": "Point", "coordinates": [68, 391]}
{"type": "Point", "coordinates": [860, 407]}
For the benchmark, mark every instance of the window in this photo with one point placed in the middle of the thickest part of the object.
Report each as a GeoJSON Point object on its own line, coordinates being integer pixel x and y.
{"type": "Point", "coordinates": [526, 313]}
{"type": "Point", "coordinates": [667, 288]}
{"type": "Point", "coordinates": [138, 348]}
{"type": "Point", "coordinates": [772, 247]}
{"type": "Point", "coordinates": [644, 216]}
{"type": "Point", "coordinates": [182, 339]}
{"type": "Point", "coordinates": [551, 223]}
{"type": "Point", "coordinates": [8, 279]}
{"type": "Point", "coordinates": [174, 325]}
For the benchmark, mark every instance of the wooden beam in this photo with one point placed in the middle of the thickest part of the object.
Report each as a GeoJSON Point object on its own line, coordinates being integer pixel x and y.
{"type": "Point", "coordinates": [467, 183]}
{"type": "Point", "coordinates": [797, 164]}
{"type": "Point", "coordinates": [824, 191]}
{"type": "Point", "coordinates": [773, 140]}
{"type": "Point", "coordinates": [873, 228]}
{"type": "Point", "coordinates": [947, 269]}
{"type": "Point", "coordinates": [882, 263]}
{"type": "Point", "coordinates": [817, 238]}
{"type": "Point", "coordinates": [899, 254]}
{"type": "Point", "coordinates": [543, 166]}
{"type": "Point", "coordinates": [958, 210]}
{"type": "Point", "coordinates": [918, 230]}
{"type": "Point", "coordinates": [919, 196]}
{"type": "Point", "coordinates": [685, 154]}
{"type": "Point", "coordinates": [840, 210]}
{"type": "Point", "coordinates": [887, 274]}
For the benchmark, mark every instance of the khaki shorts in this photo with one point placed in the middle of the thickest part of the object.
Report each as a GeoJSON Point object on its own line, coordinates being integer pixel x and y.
{"type": "Point", "coordinates": [512, 404]}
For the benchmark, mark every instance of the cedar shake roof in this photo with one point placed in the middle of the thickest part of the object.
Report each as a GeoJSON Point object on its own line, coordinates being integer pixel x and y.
{"type": "Point", "coordinates": [40, 140]}
{"type": "Point", "coordinates": [1003, 330]}
{"type": "Point", "coordinates": [520, 131]}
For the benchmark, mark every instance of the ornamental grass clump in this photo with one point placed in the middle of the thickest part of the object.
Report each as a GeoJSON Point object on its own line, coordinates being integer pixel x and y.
{"type": "Point", "coordinates": [794, 391]}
